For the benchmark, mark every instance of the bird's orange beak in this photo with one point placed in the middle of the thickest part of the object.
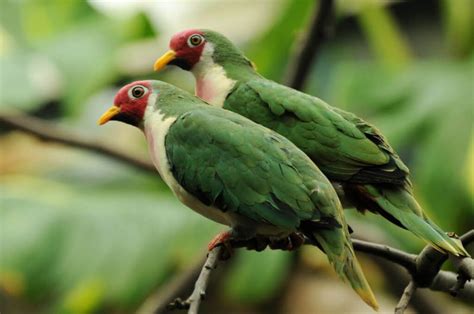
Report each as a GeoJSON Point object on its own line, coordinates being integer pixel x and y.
{"type": "Point", "coordinates": [109, 114]}
{"type": "Point", "coordinates": [161, 62]}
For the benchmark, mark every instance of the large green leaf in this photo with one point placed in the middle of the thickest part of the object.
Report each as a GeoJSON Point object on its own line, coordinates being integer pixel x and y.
{"type": "Point", "coordinates": [270, 52]}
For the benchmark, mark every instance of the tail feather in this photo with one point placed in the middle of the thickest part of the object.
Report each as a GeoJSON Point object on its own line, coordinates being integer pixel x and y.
{"type": "Point", "coordinates": [338, 248]}
{"type": "Point", "coordinates": [401, 204]}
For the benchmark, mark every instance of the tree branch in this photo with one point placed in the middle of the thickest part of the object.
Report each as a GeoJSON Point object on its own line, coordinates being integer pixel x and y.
{"type": "Point", "coordinates": [424, 268]}
{"type": "Point", "coordinates": [159, 302]}
{"type": "Point", "coordinates": [393, 255]}
{"type": "Point", "coordinates": [308, 51]}
{"type": "Point", "coordinates": [443, 281]}
{"type": "Point", "coordinates": [194, 300]}
{"type": "Point", "coordinates": [49, 132]}
{"type": "Point", "coordinates": [405, 299]}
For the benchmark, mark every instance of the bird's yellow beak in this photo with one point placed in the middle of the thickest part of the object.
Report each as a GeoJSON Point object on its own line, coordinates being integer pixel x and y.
{"type": "Point", "coordinates": [161, 62]}
{"type": "Point", "coordinates": [109, 114]}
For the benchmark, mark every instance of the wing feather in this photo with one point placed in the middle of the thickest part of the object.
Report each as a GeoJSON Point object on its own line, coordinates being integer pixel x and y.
{"type": "Point", "coordinates": [236, 165]}
{"type": "Point", "coordinates": [345, 147]}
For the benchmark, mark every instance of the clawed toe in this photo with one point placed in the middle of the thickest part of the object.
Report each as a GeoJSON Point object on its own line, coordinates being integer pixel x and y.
{"type": "Point", "coordinates": [290, 243]}
{"type": "Point", "coordinates": [222, 239]}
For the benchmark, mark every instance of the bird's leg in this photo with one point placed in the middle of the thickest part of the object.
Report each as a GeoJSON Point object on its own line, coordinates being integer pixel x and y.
{"type": "Point", "coordinates": [258, 243]}
{"type": "Point", "coordinates": [222, 238]}
{"type": "Point", "coordinates": [290, 243]}
{"type": "Point", "coordinates": [297, 240]}
{"type": "Point", "coordinates": [236, 237]}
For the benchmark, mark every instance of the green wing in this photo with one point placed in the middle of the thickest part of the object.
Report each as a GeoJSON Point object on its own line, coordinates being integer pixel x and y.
{"type": "Point", "coordinates": [236, 165]}
{"type": "Point", "coordinates": [344, 146]}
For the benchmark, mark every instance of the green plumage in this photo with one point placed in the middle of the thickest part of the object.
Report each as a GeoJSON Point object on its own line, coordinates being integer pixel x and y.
{"type": "Point", "coordinates": [342, 146]}
{"type": "Point", "coordinates": [259, 179]}
{"type": "Point", "coordinates": [243, 168]}
{"type": "Point", "coordinates": [347, 149]}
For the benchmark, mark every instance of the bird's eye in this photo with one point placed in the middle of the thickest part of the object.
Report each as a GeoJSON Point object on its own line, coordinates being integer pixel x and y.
{"type": "Point", "coordinates": [137, 91]}
{"type": "Point", "coordinates": [195, 40]}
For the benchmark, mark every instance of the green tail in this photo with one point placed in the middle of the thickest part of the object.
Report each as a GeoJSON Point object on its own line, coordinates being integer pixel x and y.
{"type": "Point", "coordinates": [338, 248]}
{"type": "Point", "coordinates": [401, 204]}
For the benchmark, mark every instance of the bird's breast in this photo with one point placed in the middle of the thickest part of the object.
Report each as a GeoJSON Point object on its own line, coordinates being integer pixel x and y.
{"type": "Point", "coordinates": [213, 85]}
{"type": "Point", "coordinates": [156, 128]}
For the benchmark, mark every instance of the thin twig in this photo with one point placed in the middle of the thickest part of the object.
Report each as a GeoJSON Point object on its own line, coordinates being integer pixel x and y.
{"type": "Point", "coordinates": [425, 267]}
{"type": "Point", "coordinates": [193, 302]}
{"type": "Point", "coordinates": [201, 284]}
{"type": "Point", "coordinates": [467, 237]}
{"type": "Point", "coordinates": [405, 299]}
{"type": "Point", "coordinates": [159, 301]}
{"type": "Point", "coordinates": [309, 49]}
{"type": "Point", "coordinates": [47, 131]}
{"type": "Point", "coordinates": [442, 280]}
{"type": "Point", "coordinates": [394, 255]}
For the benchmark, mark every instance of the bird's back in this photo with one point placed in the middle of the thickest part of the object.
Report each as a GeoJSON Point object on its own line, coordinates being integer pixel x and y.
{"type": "Point", "coordinates": [345, 147]}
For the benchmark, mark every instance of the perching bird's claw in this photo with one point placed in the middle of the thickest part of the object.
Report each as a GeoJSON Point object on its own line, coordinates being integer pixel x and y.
{"type": "Point", "coordinates": [290, 243]}
{"type": "Point", "coordinates": [223, 239]}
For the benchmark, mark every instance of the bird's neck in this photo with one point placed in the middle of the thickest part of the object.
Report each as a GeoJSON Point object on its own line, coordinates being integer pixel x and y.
{"type": "Point", "coordinates": [214, 81]}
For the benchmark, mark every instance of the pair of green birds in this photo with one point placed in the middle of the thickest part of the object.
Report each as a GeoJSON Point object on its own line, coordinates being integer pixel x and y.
{"type": "Point", "coordinates": [266, 165]}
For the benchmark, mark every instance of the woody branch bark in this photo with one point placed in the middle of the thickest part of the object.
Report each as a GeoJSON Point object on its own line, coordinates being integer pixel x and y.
{"type": "Point", "coordinates": [310, 44]}
{"type": "Point", "coordinates": [49, 132]}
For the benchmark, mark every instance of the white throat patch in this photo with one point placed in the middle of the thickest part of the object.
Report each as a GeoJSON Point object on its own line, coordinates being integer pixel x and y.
{"type": "Point", "coordinates": [156, 128]}
{"type": "Point", "coordinates": [212, 83]}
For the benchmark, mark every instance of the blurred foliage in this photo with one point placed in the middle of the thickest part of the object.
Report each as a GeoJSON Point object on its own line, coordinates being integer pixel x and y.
{"type": "Point", "coordinates": [280, 39]}
{"type": "Point", "coordinates": [459, 26]}
{"type": "Point", "coordinates": [80, 234]}
{"type": "Point", "coordinates": [60, 50]}
{"type": "Point", "coordinates": [93, 244]}
{"type": "Point", "coordinates": [434, 101]}
{"type": "Point", "coordinates": [384, 36]}
{"type": "Point", "coordinates": [270, 267]}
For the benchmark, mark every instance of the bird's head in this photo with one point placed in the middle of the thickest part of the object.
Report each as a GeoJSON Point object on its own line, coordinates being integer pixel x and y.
{"type": "Point", "coordinates": [194, 47]}
{"type": "Point", "coordinates": [130, 104]}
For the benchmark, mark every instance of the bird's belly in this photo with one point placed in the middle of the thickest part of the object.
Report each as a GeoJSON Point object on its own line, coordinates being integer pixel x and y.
{"type": "Point", "coordinates": [210, 212]}
{"type": "Point", "coordinates": [272, 232]}
{"type": "Point", "coordinates": [248, 228]}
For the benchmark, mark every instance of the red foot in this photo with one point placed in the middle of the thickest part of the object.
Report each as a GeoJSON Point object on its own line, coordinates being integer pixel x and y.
{"type": "Point", "coordinates": [221, 238]}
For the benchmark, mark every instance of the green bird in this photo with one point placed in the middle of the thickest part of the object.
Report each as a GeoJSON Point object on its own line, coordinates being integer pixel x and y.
{"type": "Point", "coordinates": [238, 173]}
{"type": "Point", "coordinates": [352, 153]}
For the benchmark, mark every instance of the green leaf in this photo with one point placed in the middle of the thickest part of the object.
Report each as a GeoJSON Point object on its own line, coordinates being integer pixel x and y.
{"type": "Point", "coordinates": [62, 50]}
{"type": "Point", "coordinates": [270, 51]}
{"type": "Point", "coordinates": [384, 36]}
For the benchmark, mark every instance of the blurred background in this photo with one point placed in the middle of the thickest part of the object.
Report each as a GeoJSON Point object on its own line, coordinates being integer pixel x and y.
{"type": "Point", "coordinates": [83, 233]}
